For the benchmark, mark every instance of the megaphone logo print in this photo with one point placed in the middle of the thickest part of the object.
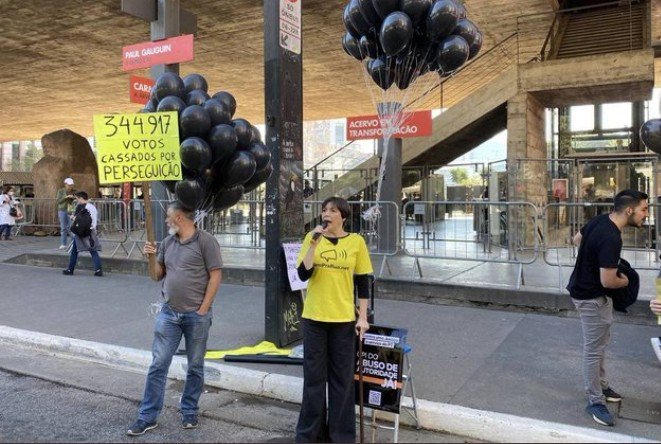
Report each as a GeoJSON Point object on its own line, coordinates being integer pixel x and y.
{"type": "Point", "coordinates": [332, 255]}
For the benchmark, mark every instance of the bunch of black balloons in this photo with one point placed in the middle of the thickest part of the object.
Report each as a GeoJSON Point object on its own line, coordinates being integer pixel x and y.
{"type": "Point", "coordinates": [401, 40]}
{"type": "Point", "coordinates": [650, 134]}
{"type": "Point", "coordinates": [221, 157]}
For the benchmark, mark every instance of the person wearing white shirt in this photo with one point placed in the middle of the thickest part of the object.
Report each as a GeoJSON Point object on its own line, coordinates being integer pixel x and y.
{"type": "Point", "coordinates": [85, 243]}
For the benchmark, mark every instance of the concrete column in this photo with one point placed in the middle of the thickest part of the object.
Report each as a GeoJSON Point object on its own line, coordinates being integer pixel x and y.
{"type": "Point", "coordinates": [528, 180]}
{"type": "Point", "coordinates": [391, 191]}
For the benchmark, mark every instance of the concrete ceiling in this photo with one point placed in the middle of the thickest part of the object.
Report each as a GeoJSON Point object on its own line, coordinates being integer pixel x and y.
{"type": "Point", "coordinates": [61, 60]}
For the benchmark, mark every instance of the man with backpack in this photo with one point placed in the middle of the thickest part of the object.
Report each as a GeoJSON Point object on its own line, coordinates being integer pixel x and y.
{"type": "Point", "coordinates": [83, 228]}
{"type": "Point", "coordinates": [591, 288]}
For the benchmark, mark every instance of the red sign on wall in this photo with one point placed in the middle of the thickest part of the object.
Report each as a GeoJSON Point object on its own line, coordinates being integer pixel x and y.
{"type": "Point", "coordinates": [416, 124]}
{"type": "Point", "coordinates": [146, 54]}
{"type": "Point", "coordinates": [139, 89]}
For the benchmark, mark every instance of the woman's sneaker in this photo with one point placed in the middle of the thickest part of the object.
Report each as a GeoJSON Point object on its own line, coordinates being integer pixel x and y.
{"type": "Point", "coordinates": [611, 395]}
{"type": "Point", "coordinates": [600, 414]}
{"type": "Point", "coordinates": [140, 427]}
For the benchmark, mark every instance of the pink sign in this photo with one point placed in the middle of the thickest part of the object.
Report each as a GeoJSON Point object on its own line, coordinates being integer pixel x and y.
{"type": "Point", "coordinates": [417, 124]}
{"type": "Point", "coordinates": [146, 54]}
{"type": "Point", "coordinates": [139, 89]}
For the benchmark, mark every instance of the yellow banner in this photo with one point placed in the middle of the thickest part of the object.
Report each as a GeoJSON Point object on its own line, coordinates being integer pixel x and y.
{"type": "Point", "coordinates": [137, 147]}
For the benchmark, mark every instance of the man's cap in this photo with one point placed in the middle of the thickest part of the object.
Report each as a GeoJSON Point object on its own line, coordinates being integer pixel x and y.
{"type": "Point", "coordinates": [68, 181]}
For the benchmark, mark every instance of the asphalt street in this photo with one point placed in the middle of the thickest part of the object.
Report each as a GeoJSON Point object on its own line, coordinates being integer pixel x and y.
{"type": "Point", "coordinates": [54, 399]}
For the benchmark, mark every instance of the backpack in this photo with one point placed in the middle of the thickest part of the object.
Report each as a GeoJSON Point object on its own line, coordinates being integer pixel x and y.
{"type": "Point", "coordinates": [82, 224]}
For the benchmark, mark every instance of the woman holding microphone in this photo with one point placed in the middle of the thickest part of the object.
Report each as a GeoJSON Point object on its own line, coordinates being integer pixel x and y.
{"type": "Point", "coordinates": [332, 260]}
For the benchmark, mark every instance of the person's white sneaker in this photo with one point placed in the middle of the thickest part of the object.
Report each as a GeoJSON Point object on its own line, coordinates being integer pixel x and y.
{"type": "Point", "coordinates": [656, 346]}
{"type": "Point", "coordinates": [62, 247]}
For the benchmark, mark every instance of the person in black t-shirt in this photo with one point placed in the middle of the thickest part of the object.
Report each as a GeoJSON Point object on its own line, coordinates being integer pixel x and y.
{"type": "Point", "coordinates": [595, 271]}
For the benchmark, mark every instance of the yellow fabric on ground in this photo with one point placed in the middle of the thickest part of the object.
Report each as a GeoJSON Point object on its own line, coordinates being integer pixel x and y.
{"type": "Point", "coordinates": [263, 348]}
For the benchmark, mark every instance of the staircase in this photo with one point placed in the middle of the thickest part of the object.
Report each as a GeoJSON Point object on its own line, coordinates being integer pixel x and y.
{"type": "Point", "coordinates": [600, 31]}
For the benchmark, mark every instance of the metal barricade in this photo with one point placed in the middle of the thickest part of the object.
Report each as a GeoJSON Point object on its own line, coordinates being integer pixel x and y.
{"type": "Point", "coordinates": [241, 226]}
{"type": "Point", "coordinates": [135, 221]}
{"type": "Point", "coordinates": [563, 220]}
{"type": "Point", "coordinates": [39, 215]}
{"type": "Point", "coordinates": [112, 225]}
{"type": "Point", "coordinates": [476, 230]}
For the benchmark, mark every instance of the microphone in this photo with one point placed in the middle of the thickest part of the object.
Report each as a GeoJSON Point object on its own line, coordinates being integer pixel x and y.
{"type": "Point", "coordinates": [324, 224]}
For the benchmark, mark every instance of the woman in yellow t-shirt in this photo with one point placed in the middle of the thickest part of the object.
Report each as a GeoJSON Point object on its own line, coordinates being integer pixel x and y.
{"type": "Point", "coordinates": [332, 260]}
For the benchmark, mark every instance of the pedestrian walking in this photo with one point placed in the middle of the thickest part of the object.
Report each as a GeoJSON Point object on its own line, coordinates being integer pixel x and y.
{"type": "Point", "coordinates": [332, 260]}
{"type": "Point", "coordinates": [9, 212]}
{"type": "Point", "coordinates": [595, 273]}
{"type": "Point", "coordinates": [189, 264]}
{"type": "Point", "coordinates": [85, 238]}
{"type": "Point", "coordinates": [65, 202]}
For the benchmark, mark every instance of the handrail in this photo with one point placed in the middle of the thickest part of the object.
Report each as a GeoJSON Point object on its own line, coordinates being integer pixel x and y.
{"type": "Point", "coordinates": [329, 156]}
{"type": "Point", "coordinates": [548, 36]}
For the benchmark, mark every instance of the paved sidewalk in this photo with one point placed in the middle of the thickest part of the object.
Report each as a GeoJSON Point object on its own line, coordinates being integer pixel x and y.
{"type": "Point", "coordinates": [521, 364]}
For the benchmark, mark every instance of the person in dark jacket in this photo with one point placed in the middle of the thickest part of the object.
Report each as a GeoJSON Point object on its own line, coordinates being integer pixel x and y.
{"type": "Point", "coordinates": [594, 275]}
{"type": "Point", "coordinates": [89, 243]}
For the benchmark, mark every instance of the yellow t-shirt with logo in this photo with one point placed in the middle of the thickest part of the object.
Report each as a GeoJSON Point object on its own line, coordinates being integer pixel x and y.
{"type": "Point", "coordinates": [330, 296]}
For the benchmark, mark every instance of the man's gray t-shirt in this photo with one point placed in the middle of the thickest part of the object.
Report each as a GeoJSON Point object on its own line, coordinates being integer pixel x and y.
{"type": "Point", "coordinates": [187, 267]}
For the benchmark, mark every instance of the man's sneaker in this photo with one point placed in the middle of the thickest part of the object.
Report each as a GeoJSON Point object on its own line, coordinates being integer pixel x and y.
{"type": "Point", "coordinates": [189, 422]}
{"type": "Point", "coordinates": [62, 247]}
{"type": "Point", "coordinates": [98, 273]}
{"type": "Point", "coordinates": [600, 414]}
{"type": "Point", "coordinates": [67, 272]}
{"type": "Point", "coordinates": [611, 395]}
{"type": "Point", "coordinates": [140, 427]}
{"type": "Point", "coordinates": [656, 346]}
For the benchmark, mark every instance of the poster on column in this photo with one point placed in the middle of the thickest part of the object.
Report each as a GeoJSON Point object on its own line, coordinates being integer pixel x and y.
{"type": "Point", "coordinates": [383, 358]}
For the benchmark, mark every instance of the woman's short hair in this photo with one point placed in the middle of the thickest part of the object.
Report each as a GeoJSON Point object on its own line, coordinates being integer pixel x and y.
{"type": "Point", "coordinates": [7, 188]}
{"type": "Point", "coordinates": [341, 204]}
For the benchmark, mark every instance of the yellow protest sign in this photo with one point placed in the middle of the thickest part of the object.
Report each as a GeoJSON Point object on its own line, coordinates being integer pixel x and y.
{"type": "Point", "coordinates": [137, 147]}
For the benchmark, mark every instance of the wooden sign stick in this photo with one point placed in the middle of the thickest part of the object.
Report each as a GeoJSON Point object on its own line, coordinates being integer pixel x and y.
{"type": "Point", "coordinates": [149, 226]}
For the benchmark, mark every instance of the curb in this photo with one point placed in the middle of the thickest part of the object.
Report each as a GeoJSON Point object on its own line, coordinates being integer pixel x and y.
{"type": "Point", "coordinates": [448, 418]}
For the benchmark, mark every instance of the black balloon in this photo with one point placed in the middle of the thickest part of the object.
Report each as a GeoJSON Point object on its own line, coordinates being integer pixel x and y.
{"type": "Point", "coordinates": [222, 140]}
{"type": "Point", "coordinates": [151, 105]}
{"type": "Point", "coordinates": [368, 47]}
{"type": "Point", "coordinates": [476, 45]}
{"type": "Point", "coordinates": [243, 130]}
{"type": "Point", "coordinates": [196, 97]}
{"type": "Point", "coordinates": [351, 46]}
{"type": "Point", "coordinates": [415, 9]}
{"type": "Point", "coordinates": [385, 7]}
{"type": "Point", "coordinates": [195, 155]}
{"type": "Point", "coordinates": [190, 193]}
{"type": "Point", "coordinates": [346, 19]}
{"type": "Point", "coordinates": [467, 30]}
{"type": "Point", "coordinates": [396, 33]}
{"type": "Point", "coordinates": [194, 122]}
{"type": "Point", "coordinates": [405, 76]}
{"type": "Point", "coordinates": [255, 135]}
{"type": "Point", "coordinates": [258, 178]}
{"type": "Point", "coordinates": [261, 154]}
{"type": "Point", "coordinates": [442, 19]}
{"type": "Point", "coordinates": [369, 13]}
{"type": "Point", "coordinates": [227, 99]}
{"type": "Point", "coordinates": [227, 198]}
{"type": "Point", "coordinates": [169, 185]}
{"type": "Point", "coordinates": [357, 19]}
{"type": "Point", "coordinates": [380, 73]}
{"type": "Point", "coordinates": [168, 84]}
{"type": "Point", "coordinates": [238, 169]}
{"type": "Point", "coordinates": [218, 112]}
{"type": "Point", "coordinates": [195, 81]}
{"type": "Point", "coordinates": [462, 9]}
{"type": "Point", "coordinates": [171, 103]}
{"type": "Point", "coordinates": [650, 134]}
{"type": "Point", "coordinates": [452, 53]}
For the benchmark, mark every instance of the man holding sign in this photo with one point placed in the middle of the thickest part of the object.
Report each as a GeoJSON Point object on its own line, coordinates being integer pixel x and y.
{"type": "Point", "coordinates": [189, 264]}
